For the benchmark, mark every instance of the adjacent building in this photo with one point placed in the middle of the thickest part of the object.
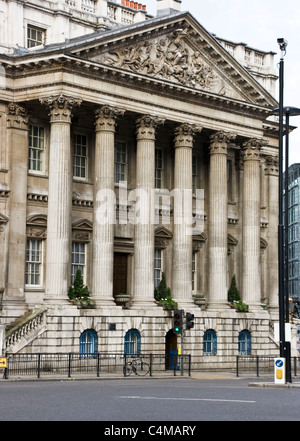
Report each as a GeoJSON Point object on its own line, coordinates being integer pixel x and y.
{"type": "Point", "coordinates": [133, 146]}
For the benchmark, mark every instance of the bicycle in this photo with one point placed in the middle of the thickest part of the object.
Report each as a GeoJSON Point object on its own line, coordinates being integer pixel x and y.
{"type": "Point", "coordinates": [138, 366]}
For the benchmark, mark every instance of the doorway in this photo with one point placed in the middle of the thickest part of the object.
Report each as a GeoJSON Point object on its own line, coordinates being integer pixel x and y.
{"type": "Point", "coordinates": [171, 349]}
{"type": "Point", "coordinates": [120, 273]}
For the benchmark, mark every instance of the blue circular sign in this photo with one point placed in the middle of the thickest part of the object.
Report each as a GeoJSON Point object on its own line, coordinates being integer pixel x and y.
{"type": "Point", "coordinates": [279, 363]}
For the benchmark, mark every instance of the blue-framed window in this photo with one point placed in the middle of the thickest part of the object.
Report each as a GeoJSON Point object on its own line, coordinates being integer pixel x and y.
{"type": "Point", "coordinates": [244, 342]}
{"type": "Point", "coordinates": [132, 344]}
{"type": "Point", "coordinates": [88, 343]}
{"type": "Point", "coordinates": [210, 342]}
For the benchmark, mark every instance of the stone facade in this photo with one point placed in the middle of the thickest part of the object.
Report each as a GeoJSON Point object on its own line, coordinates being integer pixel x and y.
{"type": "Point", "coordinates": [107, 139]}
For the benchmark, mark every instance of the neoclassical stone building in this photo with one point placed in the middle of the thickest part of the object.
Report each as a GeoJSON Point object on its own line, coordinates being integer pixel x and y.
{"type": "Point", "coordinates": [110, 130]}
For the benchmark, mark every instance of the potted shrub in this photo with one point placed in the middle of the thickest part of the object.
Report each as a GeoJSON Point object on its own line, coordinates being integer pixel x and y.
{"type": "Point", "coordinates": [163, 295]}
{"type": "Point", "coordinates": [234, 297]}
{"type": "Point", "coordinates": [79, 293]}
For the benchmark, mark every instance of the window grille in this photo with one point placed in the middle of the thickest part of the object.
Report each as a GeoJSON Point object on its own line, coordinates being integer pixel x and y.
{"type": "Point", "coordinates": [88, 343]}
{"type": "Point", "coordinates": [132, 344]}
{"type": "Point", "coordinates": [244, 343]}
{"type": "Point", "coordinates": [210, 343]}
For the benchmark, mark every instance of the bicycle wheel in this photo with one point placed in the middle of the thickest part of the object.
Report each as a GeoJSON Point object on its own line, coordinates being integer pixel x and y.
{"type": "Point", "coordinates": [142, 368]}
{"type": "Point", "coordinates": [127, 369]}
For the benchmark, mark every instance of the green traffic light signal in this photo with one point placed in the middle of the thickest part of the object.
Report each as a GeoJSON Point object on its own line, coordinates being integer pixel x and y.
{"type": "Point", "coordinates": [177, 321]}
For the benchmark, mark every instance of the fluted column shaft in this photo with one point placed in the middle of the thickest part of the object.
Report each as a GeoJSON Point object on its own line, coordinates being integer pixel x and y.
{"type": "Point", "coordinates": [272, 165]}
{"type": "Point", "coordinates": [143, 292]}
{"type": "Point", "coordinates": [104, 206]}
{"type": "Point", "coordinates": [17, 125]}
{"type": "Point", "coordinates": [183, 213]}
{"type": "Point", "coordinates": [251, 276]}
{"type": "Point", "coordinates": [59, 200]}
{"type": "Point", "coordinates": [217, 221]}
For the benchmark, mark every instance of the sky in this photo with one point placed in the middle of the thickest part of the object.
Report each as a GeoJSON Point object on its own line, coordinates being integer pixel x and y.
{"type": "Point", "coordinates": [258, 23]}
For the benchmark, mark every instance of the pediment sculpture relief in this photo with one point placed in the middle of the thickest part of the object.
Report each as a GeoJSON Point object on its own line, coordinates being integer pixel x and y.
{"type": "Point", "coordinates": [166, 57]}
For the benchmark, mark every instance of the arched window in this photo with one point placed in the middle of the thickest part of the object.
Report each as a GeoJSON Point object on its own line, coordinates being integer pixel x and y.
{"type": "Point", "coordinates": [210, 343]}
{"type": "Point", "coordinates": [132, 342]}
{"type": "Point", "coordinates": [88, 343]}
{"type": "Point", "coordinates": [244, 342]}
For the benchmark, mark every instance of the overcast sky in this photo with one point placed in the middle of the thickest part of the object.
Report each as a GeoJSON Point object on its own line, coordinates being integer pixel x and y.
{"type": "Point", "coordinates": [258, 23]}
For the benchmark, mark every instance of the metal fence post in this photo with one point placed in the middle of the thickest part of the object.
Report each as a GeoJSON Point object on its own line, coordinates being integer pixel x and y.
{"type": "Point", "coordinates": [39, 366]}
{"type": "Point", "coordinates": [150, 371]}
{"type": "Point", "coordinates": [98, 364]}
{"type": "Point", "coordinates": [69, 365]}
{"type": "Point", "coordinates": [190, 363]}
{"type": "Point", "coordinates": [257, 366]}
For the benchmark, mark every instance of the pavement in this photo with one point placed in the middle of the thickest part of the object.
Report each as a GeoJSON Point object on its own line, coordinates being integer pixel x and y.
{"type": "Point", "coordinates": [200, 375]}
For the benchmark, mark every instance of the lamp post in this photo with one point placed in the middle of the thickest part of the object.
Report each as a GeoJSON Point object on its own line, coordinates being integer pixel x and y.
{"type": "Point", "coordinates": [285, 348]}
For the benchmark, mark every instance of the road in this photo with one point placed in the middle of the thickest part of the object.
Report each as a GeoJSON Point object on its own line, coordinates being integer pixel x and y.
{"type": "Point", "coordinates": [149, 400]}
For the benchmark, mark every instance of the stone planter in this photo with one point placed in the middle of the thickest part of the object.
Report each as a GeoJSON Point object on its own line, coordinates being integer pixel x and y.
{"type": "Point", "coordinates": [200, 301]}
{"type": "Point", "coordinates": [122, 298]}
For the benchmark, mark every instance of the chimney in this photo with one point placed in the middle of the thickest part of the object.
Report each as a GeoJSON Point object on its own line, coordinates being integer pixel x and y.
{"type": "Point", "coordinates": [167, 7]}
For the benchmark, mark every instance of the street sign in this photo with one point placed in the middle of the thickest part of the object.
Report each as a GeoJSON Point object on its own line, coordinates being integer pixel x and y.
{"type": "Point", "coordinates": [279, 371]}
{"type": "Point", "coordinates": [3, 362]}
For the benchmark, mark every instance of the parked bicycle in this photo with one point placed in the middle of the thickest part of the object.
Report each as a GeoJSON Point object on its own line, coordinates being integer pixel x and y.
{"type": "Point", "coordinates": [137, 366]}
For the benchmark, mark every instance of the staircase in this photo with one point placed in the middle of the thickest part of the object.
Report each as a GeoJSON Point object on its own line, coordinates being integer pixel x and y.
{"type": "Point", "coordinates": [24, 330]}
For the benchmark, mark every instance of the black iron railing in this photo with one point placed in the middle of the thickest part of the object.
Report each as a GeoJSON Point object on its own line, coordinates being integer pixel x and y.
{"type": "Point", "coordinates": [261, 365]}
{"type": "Point", "coordinates": [97, 364]}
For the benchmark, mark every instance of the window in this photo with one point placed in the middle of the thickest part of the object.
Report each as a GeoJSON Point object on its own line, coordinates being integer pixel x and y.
{"type": "Point", "coordinates": [34, 262]}
{"type": "Point", "coordinates": [244, 343]}
{"type": "Point", "coordinates": [210, 343]}
{"type": "Point", "coordinates": [259, 59]}
{"type": "Point", "coordinates": [36, 148]}
{"type": "Point", "coordinates": [194, 278]}
{"type": "Point", "coordinates": [132, 342]}
{"type": "Point", "coordinates": [78, 259]}
{"type": "Point", "coordinates": [247, 55]}
{"type": "Point", "coordinates": [35, 36]}
{"type": "Point", "coordinates": [158, 168]}
{"type": "Point", "coordinates": [88, 343]}
{"type": "Point", "coordinates": [120, 162]}
{"type": "Point", "coordinates": [157, 267]}
{"type": "Point", "coordinates": [80, 156]}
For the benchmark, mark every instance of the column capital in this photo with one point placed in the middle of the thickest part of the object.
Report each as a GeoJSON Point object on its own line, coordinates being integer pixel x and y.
{"type": "Point", "coordinates": [252, 149]}
{"type": "Point", "coordinates": [105, 118]}
{"type": "Point", "coordinates": [17, 117]}
{"type": "Point", "coordinates": [272, 165]}
{"type": "Point", "coordinates": [60, 107]}
{"type": "Point", "coordinates": [146, 126]}
{"type": "Point", "coordinates": [184, 134]}
{"type": "Point", "coordinates": [219, 142]}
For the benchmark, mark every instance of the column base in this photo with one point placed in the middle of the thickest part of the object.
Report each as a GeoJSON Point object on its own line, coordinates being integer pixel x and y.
{"type": "Point", "coordinates": [143, 304]}
{"type": "Point", "coordinates": [217, 306]}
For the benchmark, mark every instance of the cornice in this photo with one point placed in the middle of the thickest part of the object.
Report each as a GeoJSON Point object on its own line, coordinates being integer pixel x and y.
{"type": "Point", "coordinates": [114, 75]}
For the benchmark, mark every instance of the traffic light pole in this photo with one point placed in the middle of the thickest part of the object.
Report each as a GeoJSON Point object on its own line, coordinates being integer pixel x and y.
{"type": "Point", "coordinates": [182, 340]}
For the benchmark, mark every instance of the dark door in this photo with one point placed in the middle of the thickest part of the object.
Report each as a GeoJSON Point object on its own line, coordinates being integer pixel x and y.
{"type": "Point", "coordinates": [120, 273]}
{"type": "Point", "coordinates": [171, 348]}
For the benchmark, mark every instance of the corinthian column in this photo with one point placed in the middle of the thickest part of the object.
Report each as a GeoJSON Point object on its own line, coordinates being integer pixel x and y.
{"type": "Point", "coordinates": [17, 129]}
{"type": "Point", "coordinates": [59, 200]}
{"type": "Point", "coordinates": [183, 214]}
{"type": "Point", "coordinates": [272, 165]}
{"type": "Point", "coordinates": [144, 227]}
{"type": "Point", "coordinates": [251, 276]}
{"type": "Point", "coordinates": [217, 221]}
{"type": "Point", "coordinates": [104, 206]}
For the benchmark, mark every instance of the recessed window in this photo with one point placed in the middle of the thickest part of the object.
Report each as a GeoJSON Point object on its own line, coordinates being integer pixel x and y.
{"type": "Point", "coordinates": [157, 266]}
{"type": "Point", "coordinates": [78, 259]}
{"type": "Point", "coordinates": [34, 260]}
{"type": "Point", "coordinates": [210, 343]}
{"type": "Point", "coordinates": [80, 157]}
{"type": "Point", "coordinates": [36, 148]}
{"type": "Point", "coordinates": [120, 162]}
{"type": "Point", "coordinates": [158, 168]}
{"type": "Point", "coordinates": [35, 36]}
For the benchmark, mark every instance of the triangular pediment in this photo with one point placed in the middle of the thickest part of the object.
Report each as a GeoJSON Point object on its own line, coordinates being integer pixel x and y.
{"type": "Point", "coordinates": [175, 50]}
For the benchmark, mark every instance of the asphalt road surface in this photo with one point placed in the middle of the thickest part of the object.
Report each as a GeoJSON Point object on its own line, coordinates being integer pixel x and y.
{"type": "Point", "coordinates": [171, 401]}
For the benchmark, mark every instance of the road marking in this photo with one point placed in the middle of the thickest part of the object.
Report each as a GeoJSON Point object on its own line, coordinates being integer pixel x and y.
{"type": "Point", "coordinates": [136, 397]}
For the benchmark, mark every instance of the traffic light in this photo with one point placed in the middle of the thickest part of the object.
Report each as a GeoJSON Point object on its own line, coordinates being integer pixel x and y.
{"type": "Point", "coordinates": [189, 320]}
{"type": "Point", "coordinates": [177, 321]}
